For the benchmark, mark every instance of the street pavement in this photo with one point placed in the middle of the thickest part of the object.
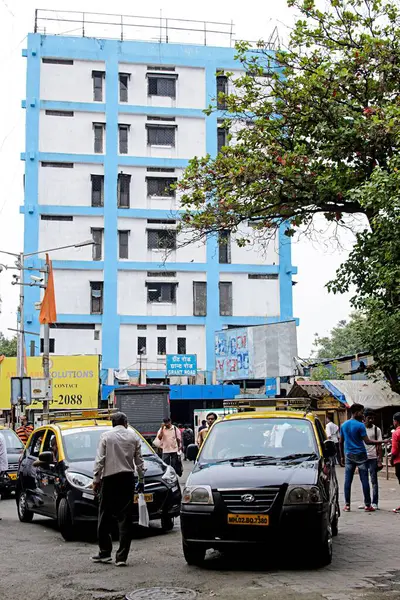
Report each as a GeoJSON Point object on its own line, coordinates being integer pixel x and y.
{"type": "Point", "coordinates": [36, 564]}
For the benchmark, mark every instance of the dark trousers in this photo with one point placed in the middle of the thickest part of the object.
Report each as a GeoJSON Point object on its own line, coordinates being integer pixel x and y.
{"type": "Point", "coordinates": [372, 464]}
{"type": "Point", "coordinates": [170, 458]}
{"type": "Point", "coordinates": [338, 453]}
{"type": "Point", "coordinates": [116, 502]}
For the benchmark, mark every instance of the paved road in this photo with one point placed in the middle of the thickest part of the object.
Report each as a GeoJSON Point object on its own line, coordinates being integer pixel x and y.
{"type": "Point", "coordinates": [36, 564]}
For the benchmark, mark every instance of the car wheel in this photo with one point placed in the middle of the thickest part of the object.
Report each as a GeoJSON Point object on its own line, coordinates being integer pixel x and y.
{"type": "Point", "coordinates": [322, 553]}
{"type": "Point", "coordinates": [65, 523]}
{"type": "Point", "coordinates": [167, 523]}
{"type": "Point", "coordinates": [194, 555]}
{"type": "Point", "coordinates": [24, 514]}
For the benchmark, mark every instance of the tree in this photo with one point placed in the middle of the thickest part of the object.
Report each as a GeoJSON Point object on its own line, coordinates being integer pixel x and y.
{"type": "Point", "coordinates": [314, 123]}
{"type": "Point", "coordinates": [321, 372]}
{"type": "Point", "coordinates": [344, 339]}
{"type": "Point", "coordinates": [8, 347]}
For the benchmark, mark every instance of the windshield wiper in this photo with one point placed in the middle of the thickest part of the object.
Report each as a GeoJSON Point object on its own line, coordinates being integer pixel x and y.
{"type": "Point", "coordinates": [299, 455]}
{"type": "Point", "coordinates": [248, 458]}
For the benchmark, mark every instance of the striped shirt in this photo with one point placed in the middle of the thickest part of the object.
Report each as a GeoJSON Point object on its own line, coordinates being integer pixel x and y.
{"type": "Point", "coordinates": [24, 432]}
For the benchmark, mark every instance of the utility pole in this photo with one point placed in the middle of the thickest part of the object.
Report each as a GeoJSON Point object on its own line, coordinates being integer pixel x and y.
{"type": "Point", "coordinates": [46, 356]}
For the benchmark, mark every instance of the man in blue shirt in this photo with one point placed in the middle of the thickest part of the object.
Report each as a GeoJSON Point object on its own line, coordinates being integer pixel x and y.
{"type": "Point", "coordinates": [353, 437]}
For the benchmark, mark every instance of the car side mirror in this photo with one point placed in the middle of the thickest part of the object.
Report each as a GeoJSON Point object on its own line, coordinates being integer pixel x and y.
{"type": "Point", "coordinates": [192, 452]}
{"type": "Point", "coordinates": [329, 449]}
{"type": "Point", "coordinates": [46, 457]}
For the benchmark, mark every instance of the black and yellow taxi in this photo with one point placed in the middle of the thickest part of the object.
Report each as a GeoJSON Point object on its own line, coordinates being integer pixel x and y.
{"type": "Point", "coordinates": [55, 475]}
{"type": "Point", "coordinates": [262, 479]}
{"type": "Point", "coordinates": [14, 449]}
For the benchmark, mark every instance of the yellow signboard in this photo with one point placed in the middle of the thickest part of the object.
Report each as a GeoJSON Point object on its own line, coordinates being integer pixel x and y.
{"type": "Point", "coordinates": [75, 381]}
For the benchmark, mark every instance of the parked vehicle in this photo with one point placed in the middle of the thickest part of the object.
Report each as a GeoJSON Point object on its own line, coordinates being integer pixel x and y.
{"type": "Point", "coordinates": [265, 478]}
{"type": "Point", "coordinates": [14, 448]}
{"type": "Point", "coordinates": [55, 477]}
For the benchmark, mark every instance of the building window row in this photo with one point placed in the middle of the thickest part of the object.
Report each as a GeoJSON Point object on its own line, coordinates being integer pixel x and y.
{"type": "Point", "coordinates": [161, 346]}
{"type": "Point", "coordinates": [159, 187]}
{"type": "Point", "coordinates": [97, 248]}
{"type": "Point", "coordinates": [158, 134]}
{"type": "Point", "coordinates": [161, 327]}
{"type": "Point", "coordinates": [158, 84]}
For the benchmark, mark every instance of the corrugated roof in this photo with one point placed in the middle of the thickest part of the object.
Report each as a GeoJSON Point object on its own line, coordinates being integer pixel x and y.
{"type": "Point", "coordinates": [308, 389]}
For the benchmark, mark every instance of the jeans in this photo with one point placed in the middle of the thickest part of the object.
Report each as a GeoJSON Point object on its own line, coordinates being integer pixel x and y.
{"type": "Point", "coordinates": [352, 462]}
{"type": "Point", "coordinates": [116, 501]}
{"type": "Point", "coordinates": [372, 464]}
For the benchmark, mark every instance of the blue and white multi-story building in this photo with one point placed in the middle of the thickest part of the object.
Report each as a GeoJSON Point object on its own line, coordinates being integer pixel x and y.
{"type": "Point", "coordinates": [110, 124]}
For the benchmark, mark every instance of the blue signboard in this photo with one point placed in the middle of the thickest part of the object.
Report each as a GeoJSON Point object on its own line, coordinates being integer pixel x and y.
{"type": "Point", "coordinates": [271, 388]}
{"type": "Point", "coordinates": [181, 365]}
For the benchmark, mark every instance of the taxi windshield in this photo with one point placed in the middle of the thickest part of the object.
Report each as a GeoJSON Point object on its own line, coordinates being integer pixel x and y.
{"type": "Point", "coordinates": [253, 439]}
{"type": "Point", "coordinates": [81, 444]}
{"type": "Point", "coordinates": [13, 443]}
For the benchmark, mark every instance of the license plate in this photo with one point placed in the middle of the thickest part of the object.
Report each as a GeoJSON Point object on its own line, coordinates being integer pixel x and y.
{"type": "Point", "coordinates": [147, 497]}
{"type": "Point", "coordinates": [12, 476]}
{"type": "Point", "coordinates": [243, 519]}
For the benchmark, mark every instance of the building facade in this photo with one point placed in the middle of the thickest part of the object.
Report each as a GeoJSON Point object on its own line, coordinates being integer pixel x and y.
{"type": "Point", "coordinates": [110, 125]}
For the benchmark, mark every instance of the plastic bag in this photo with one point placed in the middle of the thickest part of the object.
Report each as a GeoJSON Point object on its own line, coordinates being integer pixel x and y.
{"type": "Point", "coordinates": [143, 512]}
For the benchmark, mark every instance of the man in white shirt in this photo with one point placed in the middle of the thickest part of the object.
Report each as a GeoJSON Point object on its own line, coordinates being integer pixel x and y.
{"type": "Point", "coordinates": [332, 433]}
{"type": "Point", "coordinates": [3, 456]}
{"type": "Point", "coordinates": [374, 454]}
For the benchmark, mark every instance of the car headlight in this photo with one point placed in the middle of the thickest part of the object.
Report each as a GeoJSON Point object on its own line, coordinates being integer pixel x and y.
{"type": "Point", "coordinates": [197, 494]}
{"type": "Point", "coordinates": [305, 494]}
{"type": "Point", "coordinates": [169, 476]}
{"type": "Point", "coordinates": [79, 480]}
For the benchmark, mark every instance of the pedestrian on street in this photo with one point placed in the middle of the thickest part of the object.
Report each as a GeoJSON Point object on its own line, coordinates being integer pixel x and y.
{"type": "Point", "coordinates": [353, 440]}
{"type": "Point", "coordinates": [3, 457]}
{"type": "Point", "coordinates": [202, 426]}
{"type": "Point", "coordinates": [211, 418]}
{"type": "Point", "coordinates": [170, 443]}
{"type": "Point", "coordinates": [118, 453]}
{"type": "Point", "coordinates": [25, 430]}
{"type": "Point", "coordinates": [187, 439]}
{"type": "Point", "coordinates": [374, 454]}
{"type": "Point", "coordinates": [395, 456]}
{"type": "Point", "coordinates": [332, 433]}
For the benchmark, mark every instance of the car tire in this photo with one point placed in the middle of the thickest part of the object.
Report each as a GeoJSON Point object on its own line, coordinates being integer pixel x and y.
{"type": "Point", "coordinates": [167, 523]}
{"type": "Point", "coordinates": [194, 555]}
{"type": "Point", "coordinates": [65, 522]}
{"type": "Point", "coordinates": [24, 514]}
{"type": "Point", "coordinates": [322, 553]}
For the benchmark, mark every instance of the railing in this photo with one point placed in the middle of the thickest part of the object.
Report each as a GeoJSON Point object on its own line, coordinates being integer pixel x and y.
{"type": "Point", "coordinates": [131, 27]}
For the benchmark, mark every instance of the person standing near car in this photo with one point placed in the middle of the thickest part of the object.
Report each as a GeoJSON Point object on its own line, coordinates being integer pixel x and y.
{"type": "Point", "coordinates": [25, 430]}
{"type": "Point", "coordinates": [353, 440]}
{"type": "Point", "coordinates": [374, 454]}
{"type": "Point", "coordinates": [332, 433]}
{"type": "Point", "coordinates": [211, 418]}
{"type": "Point", "coordinates": [187, 439]}
{"type": "Point", "coordinates": [118, 453]}
{"type": "Point", "coordinates": [395, 456]}
{"type": "Point", "coordinates": [3, 457]}
{"type": "Point", "coordinates": [169, 437]}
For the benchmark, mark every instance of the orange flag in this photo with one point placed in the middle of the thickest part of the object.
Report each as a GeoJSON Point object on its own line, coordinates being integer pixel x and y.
{"type": "Point", "coordinates": [48, 313]}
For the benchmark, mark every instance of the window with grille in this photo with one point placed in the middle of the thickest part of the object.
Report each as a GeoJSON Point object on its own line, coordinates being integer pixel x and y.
{"type": "Point", "coordinates": [162, 86]}
{"type": "Point", "coordinates": [52, 345]}
{"type": "Point", "coordinates": [57, 61]}
{"type": "Point", "coordinates": [161, 327]}
{"type": "Point", "coordinates": [160, 170]}
{"type": "Point", "coordinates": [59, 113]}
{"type": "Point", "coordinates": [224, 246]}
{"type": "Point", "coordinates": [161, 292]}
{"type": "Point", "coordinates": [162, 221]}
{"type": "Point", "coordinates": [123, 131]}
{"type": "Point", "coordinates": [161, 239]}
{"type": "Point", "coordinates": [161, 273]}
{"type": "Point", "coordinates": [98, 130]}
{"type": "Point", "coordinates": [143, 327]}
{"type": "Point", "coordinates": [56, 218]}
{"type": "Point", "coordinates": [225, 298]}
{"type": "Point", "coordinates": [124, 190]}
{"type": "Point", "coordinates": [142, 345]}
{"type": "Point", "coordinates": [181, 346]}
{"type": "Point", "coordinates": [199, 298]}
{"type": "Point", "coordinates": [97, 250]}
{"type": "Point", "coordinates": [181, 327]}
{"type": "Point", "coordinates": [263, 276]}
{"type": "Point", "coordinates": [161, 346]}
{"type": "Point", "coordinates": [160, 135]}
{"type": "Point", "coordinates": [222, 138]}
{"type": "Point", "coordinates": [123, 86]}
{"type": "Point", "coordinates": [160, 186]}
{"type": "Point", "coordinates": [97, 190]}
{"type": "Point", "coordinates": [222, 88]}
{"type": "Point", "coordinates": [123, 242]}
{"type": "Point", "coordinates": [57, 165]}
{"type": "Point", "coordinates": [96, 297]}
{"type": "Point", "coordinates": [98, 77]}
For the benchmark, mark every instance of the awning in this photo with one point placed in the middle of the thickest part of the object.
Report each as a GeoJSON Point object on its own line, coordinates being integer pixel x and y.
{"type": "Point", "coordinates": [371, 394]}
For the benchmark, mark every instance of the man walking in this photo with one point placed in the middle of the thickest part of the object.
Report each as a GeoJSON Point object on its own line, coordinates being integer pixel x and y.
{"type": "Point", "coordinates": [395, 457]}
{"type": "Point", "coordinates": [3, 457]}
{"type": "Point", "coordinates": [352, 445]}
{"type": "Point", "coordinates": [25, 430]}
{"type": "Point", "coordinates": [118, 453]}
{"type": "Point", "coordinates": [374, 454]}
{"type": "Point", "coordinates": [170, 443]}
{"type": "Point", "coordinates": [332, 433]}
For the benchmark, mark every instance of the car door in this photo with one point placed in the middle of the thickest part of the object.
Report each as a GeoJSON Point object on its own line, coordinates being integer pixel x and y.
{"type": "Point", "coordinates": [28, 475]}
{"type": "Point", "coordinates": [327, 472]}
{"type": "Point", "coordinates": [48, 477]}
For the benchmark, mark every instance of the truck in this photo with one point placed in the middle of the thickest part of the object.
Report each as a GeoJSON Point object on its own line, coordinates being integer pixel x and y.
{"type": "Point", "coordinates": [145, 406]}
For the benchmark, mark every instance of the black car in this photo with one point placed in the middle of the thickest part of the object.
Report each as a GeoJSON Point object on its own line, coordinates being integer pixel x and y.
{"type": "Point", "coordinates": [264, 479]}
{"type": "Point", "coordinates": [14, 447]}
{"type": "Point", "coordinates": [56, 474]}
